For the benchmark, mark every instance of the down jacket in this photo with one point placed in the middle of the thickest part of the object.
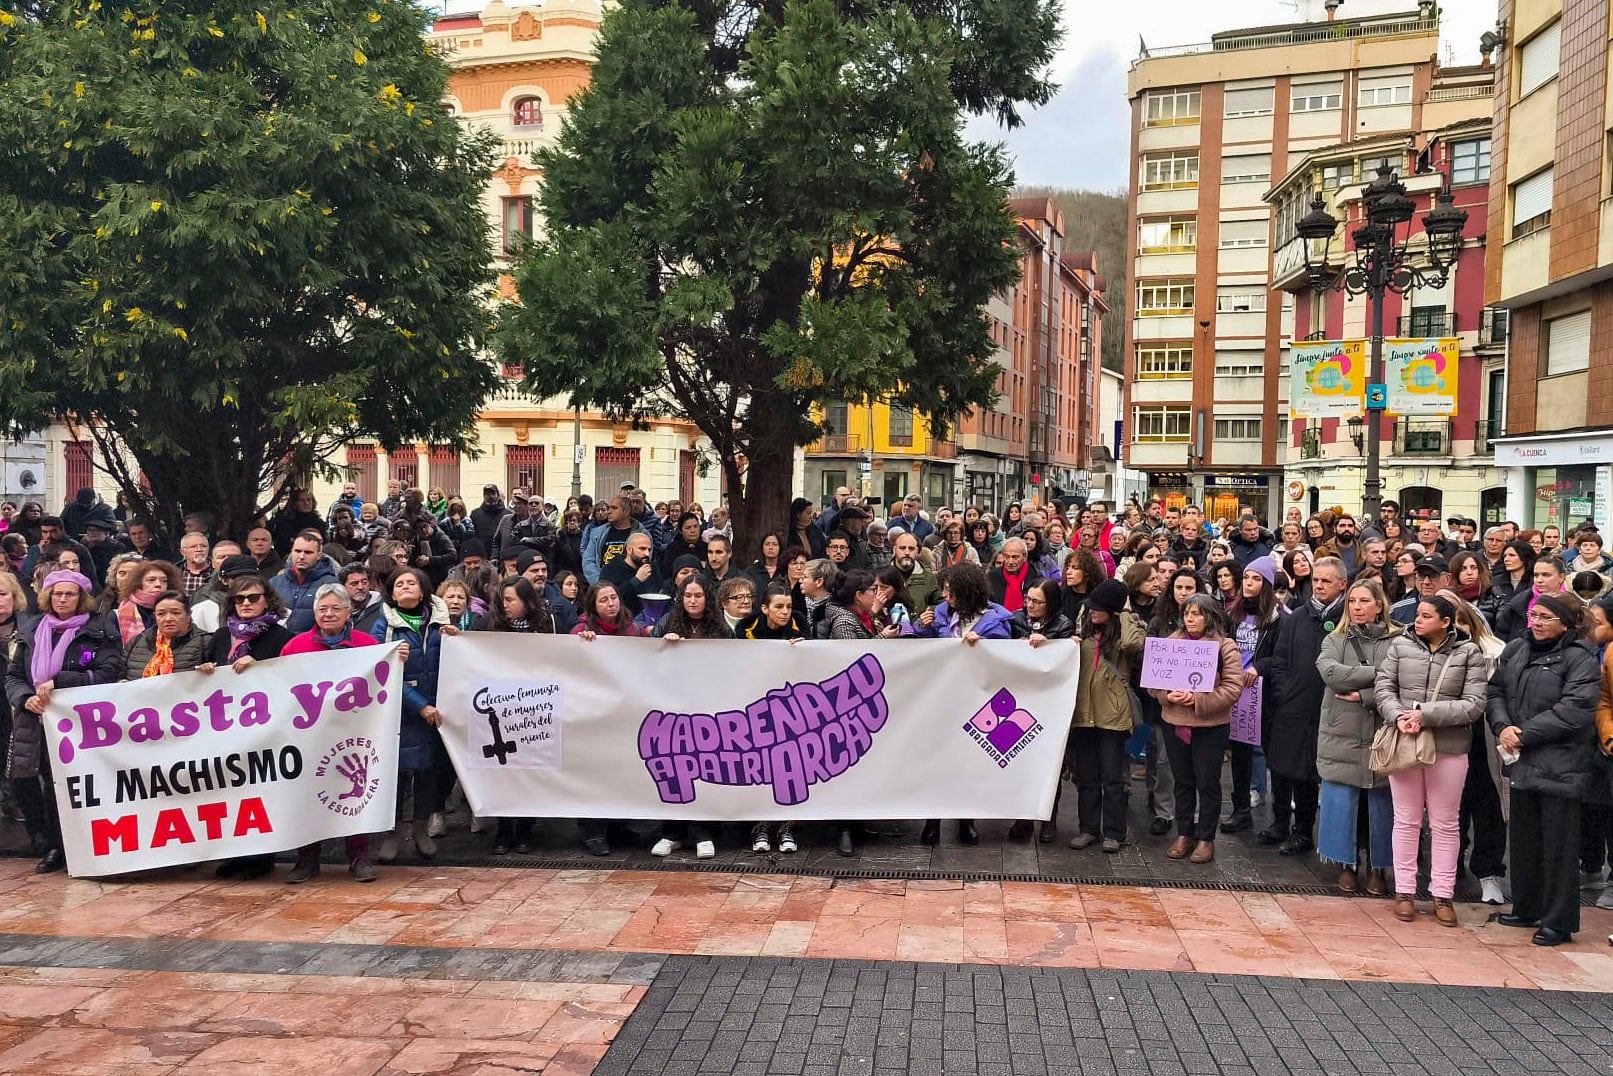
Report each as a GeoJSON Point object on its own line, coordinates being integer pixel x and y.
{"type": "Point", "coordinates": [1409, 675]}
{"type": "Point", "coordinates": [1349, 662]}
{"type": "Point", "coordinates": [95, 656]}
{"type": "Point", "coordinates": [191, 649]}
{"type": "Point", "coordinates": [1551, 695]}
{"type": "Point", "coordinates": [1102, 698]}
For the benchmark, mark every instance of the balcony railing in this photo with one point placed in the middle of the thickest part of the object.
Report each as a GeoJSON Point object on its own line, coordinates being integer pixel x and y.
{"type": "Point", "coordinates": [521, 149]}
{"type": "Point", "coordinates": [1485, 431]}
{"type": "Point", "coordinates": [840, 444]}
{"type": "Point", "coordinates": [1422, 437]}
{"type": "Point", "coordinates": [1319, 334]}
{"type": "Point", "coordinates": [1428, 324]}
{"type": "Point", "coordinates": [1310, 445]}
{"type": "Point", "coordinates": [944, 450]}
{"type": "Point", "coordinates": [1494, 324]}
{"type": "Point", "coordinates": [1237, 41]}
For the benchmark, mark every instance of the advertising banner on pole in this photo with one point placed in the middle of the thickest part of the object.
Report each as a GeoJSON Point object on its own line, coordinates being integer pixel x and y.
{"type": "Point", "coordinates": [1328, 379]}
{"type": "Point", "coordinates": [195, 766]}
{"type": "Point", "coordinates": [1421, 376]}
{"type": "Point", "coordinates": [728, 730]}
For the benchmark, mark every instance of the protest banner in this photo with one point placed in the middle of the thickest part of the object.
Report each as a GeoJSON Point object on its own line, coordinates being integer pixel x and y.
{"type": "Point", "coordinates": [1181, 664]}
{"type": "Point", "coordinates": [195, 766]}
{"type": "Point", "coordinates": [726, 730]}
{"type": "Point", "coordinates": [1246, 713]}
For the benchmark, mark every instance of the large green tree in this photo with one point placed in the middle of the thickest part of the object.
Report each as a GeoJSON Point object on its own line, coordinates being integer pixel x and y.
{"type": "Point", "coordinates": [758, 207]}
{"type": "Point", "coordinates": [233, 236]}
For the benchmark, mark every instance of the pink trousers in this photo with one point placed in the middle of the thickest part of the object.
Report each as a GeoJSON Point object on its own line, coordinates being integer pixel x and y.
{"type": "Point", "coordinates": [1439, 789]}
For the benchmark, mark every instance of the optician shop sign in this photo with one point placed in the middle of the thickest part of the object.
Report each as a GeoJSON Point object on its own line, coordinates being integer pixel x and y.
{"type": "Point", "coordinates": [1553, 453]}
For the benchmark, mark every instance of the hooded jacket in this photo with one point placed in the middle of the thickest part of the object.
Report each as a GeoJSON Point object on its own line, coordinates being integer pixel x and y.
{"type": "Point", "coordinates": [1349, 662]}
{"type": "Point", "coordinates": [1103, 693]}
{"type": "Point", "coordinates": [995, 623]}
{"type": "Point", "coordinates": [1551, 694]}
{"type": "Point", "coordinates": [1411, 672]}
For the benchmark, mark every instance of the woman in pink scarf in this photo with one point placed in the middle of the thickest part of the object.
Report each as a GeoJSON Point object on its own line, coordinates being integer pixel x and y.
{"type": "Point", "coordinates": [67, 648]}
{"type": "Point", "coordinates": [136, 607]}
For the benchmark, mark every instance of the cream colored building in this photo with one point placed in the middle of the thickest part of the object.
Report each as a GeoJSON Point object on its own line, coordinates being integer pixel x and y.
{"type": "Point", "coordinates": [515, 70]}
{"type": "Point", "coordinates": [1214, 125]}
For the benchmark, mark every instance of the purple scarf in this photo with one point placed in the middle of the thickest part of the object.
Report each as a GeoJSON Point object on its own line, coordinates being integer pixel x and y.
{"type": "Point", "coordinates": [244, 631]}
{"type": "Point", "coordinates": [51, 640]}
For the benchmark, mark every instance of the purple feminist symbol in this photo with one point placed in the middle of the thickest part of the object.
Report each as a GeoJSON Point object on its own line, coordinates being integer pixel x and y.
{"type": "Point", "coordinates": [1003, 722]}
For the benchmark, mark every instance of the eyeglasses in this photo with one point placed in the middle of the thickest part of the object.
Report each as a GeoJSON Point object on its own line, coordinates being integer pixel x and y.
{"type": "Point", "coordinates": [244, 599]}
{"type": "Point", "coordinates": [738, 599]}
{"type": "Point", "coordinates": [1542, 618]}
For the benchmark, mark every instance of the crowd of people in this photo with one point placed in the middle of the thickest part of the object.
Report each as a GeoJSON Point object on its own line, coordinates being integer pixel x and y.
{"type": "Point", "coordinates": [1408, 671]}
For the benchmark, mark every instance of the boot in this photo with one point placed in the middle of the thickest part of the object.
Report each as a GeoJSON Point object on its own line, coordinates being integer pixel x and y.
{"type": "Point", "coordinates": [1445, 912]}
{"type": "Point", "coordinates": [391, 843]}
{"type": "Point", "coordinates": [424, 842]}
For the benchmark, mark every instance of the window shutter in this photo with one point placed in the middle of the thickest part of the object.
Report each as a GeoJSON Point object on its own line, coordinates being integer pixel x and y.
{"type": "Point", "coordinates": [1568, 347]}
{"type": "Point", "coordinates": [1532, 197]}
{"type": "Point", "coordinates": [1250, 102]}
{"type": "Point", "coordinates": [1539, 60]}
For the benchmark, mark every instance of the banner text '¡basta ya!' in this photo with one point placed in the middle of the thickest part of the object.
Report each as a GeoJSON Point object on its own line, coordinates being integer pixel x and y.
{"type": "Point", "coordinates": [791, 738]}
{"type": "Point", "coordinates": [101, 724]}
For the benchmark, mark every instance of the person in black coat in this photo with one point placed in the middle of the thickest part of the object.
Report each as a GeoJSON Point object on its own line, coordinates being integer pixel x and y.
{"type": "Point", "coordinates": [1293, 713]}
{"type": "Point", "coordinates": [300, 514]}
{"type": "Point", "coordinates": [1541, 705]}
{"type": "Point", "coordinates": [86, 649]}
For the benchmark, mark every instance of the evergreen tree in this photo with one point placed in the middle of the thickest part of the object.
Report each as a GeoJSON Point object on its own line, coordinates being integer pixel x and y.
{"type": "Point", "coordinates": [756, 208]}
{"type": "Point", "coordinates": [234, 236]}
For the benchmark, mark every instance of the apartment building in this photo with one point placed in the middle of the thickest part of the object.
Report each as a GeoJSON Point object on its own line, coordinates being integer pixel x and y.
{"type": "Point", "coordinates": [1048, 336]}
{"type": "Point", "coordinates": [1213, 125]}
{"type": "Point", "coordinates": [514, 70]}
{"type": "Point", "coordinates": [1551, 258]}
{"type": "Point", "coordinates": [1434, 467]}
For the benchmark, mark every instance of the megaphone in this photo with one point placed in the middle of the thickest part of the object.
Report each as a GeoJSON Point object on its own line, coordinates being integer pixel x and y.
{"type": "Point", "coordinates": [655, 607]}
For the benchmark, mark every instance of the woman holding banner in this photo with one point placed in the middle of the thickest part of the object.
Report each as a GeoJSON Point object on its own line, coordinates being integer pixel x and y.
{"type": "Point", "coordinates": [1200, 726]}
{"type": "Point", "coordinates": [1357, 812]}
{"type": "Point", "coordinates": [413, 615]}
{"type": "Point", "coordinates": [603, 614]}
{"type": "Point", "coordinates": [67, 648]}
{"type": "Point", "coordinates": [694, 615]}
{"type": "Point", "coordinates": [1254, 626]}
{"type": "Point", "coordinates": [172, 644]}
{"type": "Point", "coordinates": [518, 608]}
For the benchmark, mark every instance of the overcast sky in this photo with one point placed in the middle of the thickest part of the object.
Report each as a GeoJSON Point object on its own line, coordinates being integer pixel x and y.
{"type": "Point", "coordinates": [1081, 139]}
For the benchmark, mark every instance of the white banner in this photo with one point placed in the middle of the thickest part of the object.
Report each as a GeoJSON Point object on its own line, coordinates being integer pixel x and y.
{"type": "Point", "coordinates": [732, 730]}
{"type": "Point", "coordinates": [196, 766]}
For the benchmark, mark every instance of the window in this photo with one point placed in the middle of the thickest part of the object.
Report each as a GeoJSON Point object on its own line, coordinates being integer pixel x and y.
{"type": "Point", "coordinates": [527, 112]}
{"type": "Point", "coordinates": [1259, 102]}
{"type": "Point", "coordinates": [1164, 363]}
{"type": "Point", "coordinates": [834, 420]}
{"type": "Point", "coordinates": [1171, 171]}
{"type": "Point", "coordinates": [1568, 344]}
{"type": "Point", "coordinates": [1337, 176]}
{"type": "Point", "coordinates": [1168, 235]}
{"type": "Point", "coordinates": [1163, 425]}
{"type": "Point", "coordinates": [1158, 297]}
{"type": "Point", "coordinates": [1470, 162]}
{"type": "Point", "coordinates": [1531, 204]}
{"type": "Point", "coordinates": [612, 467]}
{"type": "Point", "coordinates": [1237, 429]}
{"type": "Point", "coordinates": [1539, 59]}
{"type": "Point", "coordinates": [363, 469]}
{"type": "Point", "coordinates": [1318, 97]}
{"type": "Point", "coordinates": [444, 461]}
{"type": "Point", "coordinates": [895, 486]}
{"type": "Point", "coordinates": [523, 468]}
{"type": "Point", "coordinates": [1385, 93]}
{"type": "Point", "coordinates": [1242, 299]}
{"type": "Point", "coordinates": [517, 222]}
{"type": "Point", "coordinates": [403, 467]}
{"type": "Point", "coordinates": [901, 426]}
{"type": "Point", "coordinates": [1171, 108]}
{"type": "Point", "coordinates": [79, 461]}
{"type": "Point", "coordinates": [1249, 168]}
{"type": "Point", "coordinates": [1244, 233]}
{"type": "Point", "coordinates": [1240, 364]}
{"type": "Point", "coordinates": [1370, 166]}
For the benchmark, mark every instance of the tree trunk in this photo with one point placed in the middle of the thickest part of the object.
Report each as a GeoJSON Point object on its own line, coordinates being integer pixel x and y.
{"type": "Point", "coordinates": [760, 505]}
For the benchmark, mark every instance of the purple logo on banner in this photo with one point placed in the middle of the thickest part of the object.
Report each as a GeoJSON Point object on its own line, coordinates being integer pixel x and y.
{"type": "Point", "coordinates": [1001, 728]}
{"type": "Point", "coordinates": [791, 738]}
{"type": "Point", "coordinates": [349, 775]}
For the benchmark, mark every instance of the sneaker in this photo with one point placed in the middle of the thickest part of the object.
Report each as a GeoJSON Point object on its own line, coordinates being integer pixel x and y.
{"type": "Point", "coordinates": [477, 825]}
{"type": "Point", "coordinates": [597, 846]}
{"type": "Point", "coordinates": [1083, 840]}
{"type": "Point", "coordinates": [1111, 845]}
{"type": "Point", "coordinates": [1606, 899]}
{"type": "Point", "coordinates": [786, 840]}
{"type": "Point", "coordinates": [1591, 879]}
{"type": "Point", "coordinates": [665, 847]}
{"type": "Point", "coordinates": [705, 849]}
{"type": "Point", "coordinates": [760, 845]}
{"type": "Point", "coordinates": [1255, 800]}
{"type": "Point", "coordinates": [1490, 891]}
{"type": "Point", "coordinates": [362, 871]}
{"type": "Point", "coordinates": [304, 870]}
{"type": "Point", "coordinates": [437, 826]}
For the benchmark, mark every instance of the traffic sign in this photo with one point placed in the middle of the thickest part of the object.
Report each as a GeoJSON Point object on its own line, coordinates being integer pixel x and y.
{"type": "Point", "coordinates": [1377, 397]}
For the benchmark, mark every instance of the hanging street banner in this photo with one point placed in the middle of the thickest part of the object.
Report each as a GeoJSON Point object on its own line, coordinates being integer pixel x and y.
{"type": "Point", "coordinates": [1328, 379]}
{"type": "Point", "coordinates": [195, 766]}
{"type": "Point", "coordinates": [1421, 375]}
{"type": "Point", "coordinates": [730, 730]}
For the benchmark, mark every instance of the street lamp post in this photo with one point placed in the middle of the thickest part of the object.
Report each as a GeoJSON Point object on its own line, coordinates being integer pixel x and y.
{"type": "Point", "coordinates": [1383, 261]}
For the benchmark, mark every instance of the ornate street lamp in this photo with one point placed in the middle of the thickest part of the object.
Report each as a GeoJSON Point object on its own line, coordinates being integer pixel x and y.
{"type": "Point", "coordinates": [1383, 261]}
